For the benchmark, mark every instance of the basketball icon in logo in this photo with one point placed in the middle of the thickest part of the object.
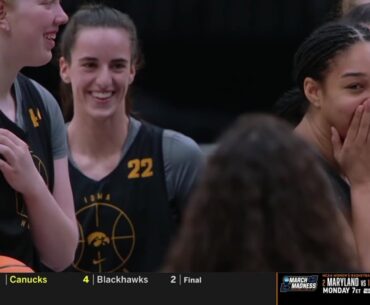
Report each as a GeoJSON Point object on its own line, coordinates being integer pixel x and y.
{"type": "Point", "coordinates": [111, 235]}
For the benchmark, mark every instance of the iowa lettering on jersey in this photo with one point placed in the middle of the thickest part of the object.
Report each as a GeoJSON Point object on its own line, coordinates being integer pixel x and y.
{"type": "Point", "coordinates": [35, 116]}
{"type": "Point", "coordinates": [140, 168]}
{"type": "Point", "coordinates": [96, 197]}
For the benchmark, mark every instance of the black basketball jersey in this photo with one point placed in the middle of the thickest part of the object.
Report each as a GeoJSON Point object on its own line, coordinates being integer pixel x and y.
{"type": "Point", "coordinates": [125, 219]}
{"type": "Point", "coordinates": [15, 236]}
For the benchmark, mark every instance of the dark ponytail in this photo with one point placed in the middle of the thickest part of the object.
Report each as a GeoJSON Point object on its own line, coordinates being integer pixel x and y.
{"type": "Point", "coordinates": [292, 106]}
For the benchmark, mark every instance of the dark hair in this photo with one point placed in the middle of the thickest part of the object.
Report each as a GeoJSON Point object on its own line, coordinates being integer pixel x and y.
{"type": "Point", "coordinates": [313, 59]}
{"type": "Point", "coordinates": [345, 6]}
{"type": "Point", "coordinates": [291, 106]}
{"type": "Point", "coordinates": [359, 14]}
{"type": "Point", "coordinates": [264, 204]}
{"type": "Point", "coordinates": [93, 16]}
{"type": "Point", "coordinates": [315, 55]}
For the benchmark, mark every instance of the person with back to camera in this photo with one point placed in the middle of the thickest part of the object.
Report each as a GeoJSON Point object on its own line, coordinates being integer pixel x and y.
{"type": "Point", "coordinates": [332, 70]}
{"type": "Point", "coordinates": [263, 204]}
{"type": "Point", "coordinates": [130, 179]}
{"type": "Point", "coordinates": [37, 220]}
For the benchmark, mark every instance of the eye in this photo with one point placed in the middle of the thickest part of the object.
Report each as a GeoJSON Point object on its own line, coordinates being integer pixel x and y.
{"type": "Point", "coordinates": [118, 66]}
{"type": "Point", "coordinates": [89, 65]}
{"type": "Point", "coordinates": [355, 87]}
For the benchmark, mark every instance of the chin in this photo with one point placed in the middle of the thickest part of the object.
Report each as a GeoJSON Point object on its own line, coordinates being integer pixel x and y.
{"type": "Point", "coordinates": [41, 60]}
{"type": "Point", "coordinates": [100, 114]}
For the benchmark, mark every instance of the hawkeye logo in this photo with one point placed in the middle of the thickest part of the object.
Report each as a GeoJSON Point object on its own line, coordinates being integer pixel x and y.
{"type": "Point", "coordinates": [109, 241]}
{"type": "Point", "coordinates": [299, 283]}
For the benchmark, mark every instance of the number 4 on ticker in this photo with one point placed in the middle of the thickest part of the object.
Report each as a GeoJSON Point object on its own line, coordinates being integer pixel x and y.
{"type": "Point", "coordinates": [86, 279]}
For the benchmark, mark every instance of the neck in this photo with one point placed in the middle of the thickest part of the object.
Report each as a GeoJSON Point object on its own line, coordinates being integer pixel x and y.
{"type": "Point", "coordinates": [7, 78]}
{"type": "Point", "coordinates": [9, 70]}
{"type": "Point", "coordinates": [97, 138]}
{"type": "Point", "coordinates": [319, 135]}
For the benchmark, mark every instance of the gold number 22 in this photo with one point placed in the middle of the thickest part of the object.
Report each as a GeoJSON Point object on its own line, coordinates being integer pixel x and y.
{"type": "Point", "coordinates": [140, 168]}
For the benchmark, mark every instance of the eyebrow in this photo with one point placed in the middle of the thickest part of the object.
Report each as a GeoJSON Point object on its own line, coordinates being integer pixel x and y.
{"type": "Point", "coordinates": [86, 59]}
{"type": "Point", "coordinates": [353, 74]}
{"type": "Point", "coordinates": [119, 60]}
{"type": "Point", "coordinates": [95, 59]}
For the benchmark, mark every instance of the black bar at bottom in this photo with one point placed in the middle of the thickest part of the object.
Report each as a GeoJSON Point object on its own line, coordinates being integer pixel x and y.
{"type": "Point", "coordinates": [224, 288]}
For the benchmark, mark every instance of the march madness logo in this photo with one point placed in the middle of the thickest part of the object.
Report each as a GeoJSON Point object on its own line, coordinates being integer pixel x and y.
{"type": "Point", "coordinates": [299, 283]}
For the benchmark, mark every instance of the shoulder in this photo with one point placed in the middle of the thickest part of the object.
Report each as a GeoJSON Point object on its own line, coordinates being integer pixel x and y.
{"type": "Point", "coordinates": [51, 106]}
{"type": "Point", "coordinates": [183, 161]}
{"type": "Point", "coordinates": [57, 127]}
{"type": "Point", "coordinates": [23, 84]}
{"type": "Point", "coordinates": [179, 149]}
{"type": "Point", "coordinates": [48, 99]}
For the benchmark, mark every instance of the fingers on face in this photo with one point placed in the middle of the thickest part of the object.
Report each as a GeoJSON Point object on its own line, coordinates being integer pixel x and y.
{"type": "Point", "coordinates": [355, 124]}
{"type": "Point", "coordinates": [336, 142]}
{"type": "Point", "coordinates": [363, 131]}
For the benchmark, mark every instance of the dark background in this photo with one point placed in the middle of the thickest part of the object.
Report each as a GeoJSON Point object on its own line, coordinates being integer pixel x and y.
{"type": "Point", "coordinates": [207, 61]}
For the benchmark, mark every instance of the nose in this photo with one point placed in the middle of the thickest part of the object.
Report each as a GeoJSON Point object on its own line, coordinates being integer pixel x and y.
{"type": "Point", "coordinates": [61, 16]}
{"type": "Point", "coordinates": [104, 78]}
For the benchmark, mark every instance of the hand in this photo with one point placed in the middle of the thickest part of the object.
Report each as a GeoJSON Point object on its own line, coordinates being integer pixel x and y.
{"type": "Point", "coordinates": [353, 155]}
{"type": "Point", "coordinates": [17, 165]}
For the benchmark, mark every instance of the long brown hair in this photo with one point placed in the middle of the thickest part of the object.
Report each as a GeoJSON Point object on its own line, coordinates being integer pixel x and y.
{"type": "Point", "coordinates": [264, 204]}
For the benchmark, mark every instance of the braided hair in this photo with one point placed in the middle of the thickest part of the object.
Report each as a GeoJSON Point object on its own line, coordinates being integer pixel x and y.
{"type": "Point", "coordinates": [291, 106]}
{"type": "Point", "coordinates": [315, 55]}
{"type": "Point", "coordinates": [313, 59]}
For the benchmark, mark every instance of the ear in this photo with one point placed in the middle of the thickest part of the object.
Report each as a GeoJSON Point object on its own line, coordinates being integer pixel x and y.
{"type": "Point", "coordinates": [64, 70]}
{"type": "Point", "coordinates": [4, 23]}
{"type": "Point", "coordinates": [312, 90]}
{"type": "Point", "coordinates": [131, 77]}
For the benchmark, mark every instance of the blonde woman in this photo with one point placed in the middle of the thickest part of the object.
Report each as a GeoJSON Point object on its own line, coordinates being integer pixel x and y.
{"type": "Point", "coordinates": [37, 222]}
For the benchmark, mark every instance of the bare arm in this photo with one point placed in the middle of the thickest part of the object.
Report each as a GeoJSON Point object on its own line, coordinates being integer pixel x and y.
{"type": "Point", "coordinates": [360, 196]}
{"type": "Point", "coordinates": [52, 218]}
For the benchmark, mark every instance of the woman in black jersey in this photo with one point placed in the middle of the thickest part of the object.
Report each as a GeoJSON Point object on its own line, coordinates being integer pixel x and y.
{"type": "Point", "coordinates": [130, 179]}
{"type": "Point", "coordinates": [37, 222]}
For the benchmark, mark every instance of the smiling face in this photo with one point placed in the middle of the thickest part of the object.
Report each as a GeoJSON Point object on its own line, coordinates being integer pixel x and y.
{"type": "Point", "coordinates": [345, 86]}
{"type": "Point", "coordinates": [100, 71]}
{"type": "Point", "coordinates": [33, 25]}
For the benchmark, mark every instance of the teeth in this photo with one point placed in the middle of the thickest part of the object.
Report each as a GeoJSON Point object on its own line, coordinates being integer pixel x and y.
{"type": "Point", "coordinates": [51, 36]}
{"type": "Point", "coordinates": [102, 95]}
